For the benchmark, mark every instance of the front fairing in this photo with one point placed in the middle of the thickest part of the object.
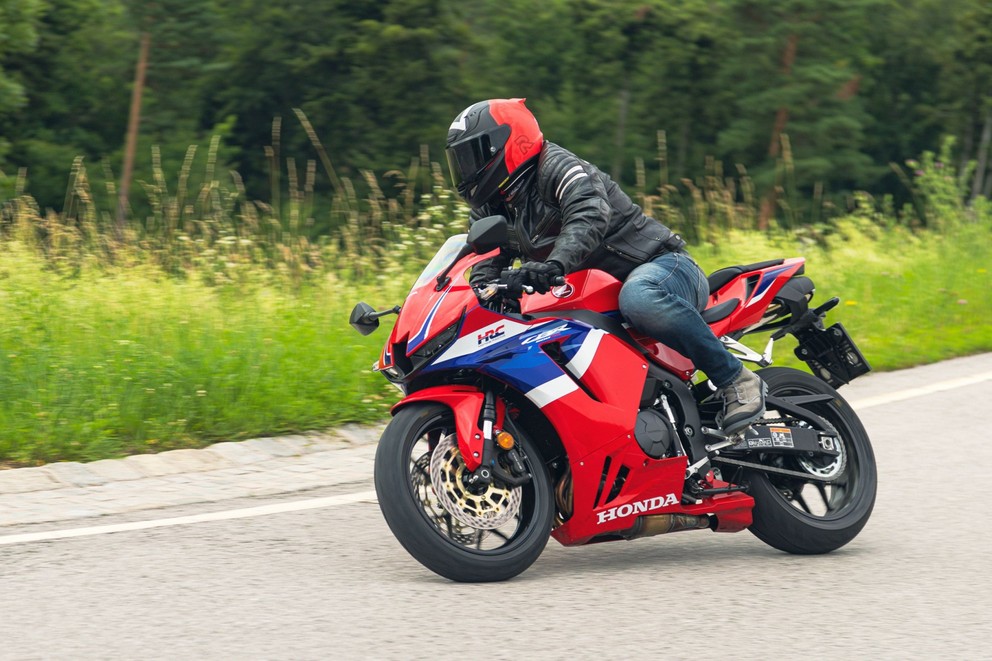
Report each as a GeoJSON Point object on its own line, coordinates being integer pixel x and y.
{"type": "Point", "coordinates": [445, 254]}
{"type": "Point", "coordinates": [560, 365]}
{"type": "Point", "coordinates": [428, 314]}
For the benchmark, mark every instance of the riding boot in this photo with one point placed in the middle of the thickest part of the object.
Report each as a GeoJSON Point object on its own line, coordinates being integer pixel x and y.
{"type": "Point", "coordinates": [743, 402]}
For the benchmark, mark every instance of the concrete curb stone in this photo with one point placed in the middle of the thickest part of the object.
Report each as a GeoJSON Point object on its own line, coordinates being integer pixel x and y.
{"type": "Point", "coordinates": [151, 465]}
{"type": "Point", "coordinates": [237, 453]}
{"type": "Point", "coordinates": [273, 446]}
{"type": "Point", "coordinates": [113, 470]}
{"type": "Point", "coordinates": [72, 490]}
{"type": "Point", "coordinates": [74, 473]}
{"type": "Point", "coordinates": [194, 460]}
{"type": "Point", "coordinates": [218, 456]}
{"type": "Point", "coordinates": [21, 480]}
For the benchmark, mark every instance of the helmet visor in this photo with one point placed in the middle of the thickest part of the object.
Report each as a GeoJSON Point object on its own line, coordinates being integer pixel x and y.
{"type": "Point", "coordinates": [468, 159]}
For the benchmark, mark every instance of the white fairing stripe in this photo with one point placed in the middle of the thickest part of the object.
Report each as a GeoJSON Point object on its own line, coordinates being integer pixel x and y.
{"type": "Point", "coordinates": [561, 187]}
{"type": "Point", "coordinates": [470, 343]}
{"type": "Point", "coordinates": [583, 357]}
{"type": "Point", "coordinates": [552, 390]}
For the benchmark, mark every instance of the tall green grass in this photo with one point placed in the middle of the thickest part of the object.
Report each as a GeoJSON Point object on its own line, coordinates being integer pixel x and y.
{"type": "Point", "coordinates": [110, 364]}
{"type": "Point", "coordinates": [217, 317]}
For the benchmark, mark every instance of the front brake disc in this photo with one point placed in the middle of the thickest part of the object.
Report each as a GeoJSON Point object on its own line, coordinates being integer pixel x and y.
{"type": "Point", "coordinates": [490, 509]}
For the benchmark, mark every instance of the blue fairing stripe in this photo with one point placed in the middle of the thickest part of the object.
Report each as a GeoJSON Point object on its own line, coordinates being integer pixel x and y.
{"type": "Point", "coordinates": [424, 333]}
{"type": "Point", "coordinates": [520, 362]}
{"type": "Point", "coordinates": [768, 278]}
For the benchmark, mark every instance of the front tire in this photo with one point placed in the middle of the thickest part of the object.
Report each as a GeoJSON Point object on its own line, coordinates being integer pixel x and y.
{"type": "Point", "coordinates": [427, 530]}
{"type": "Point", "coordinates": [815, 517]}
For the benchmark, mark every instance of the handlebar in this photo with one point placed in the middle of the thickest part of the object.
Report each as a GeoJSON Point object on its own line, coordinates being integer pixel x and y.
{"type": "Point", "coordinates": [489, 289]}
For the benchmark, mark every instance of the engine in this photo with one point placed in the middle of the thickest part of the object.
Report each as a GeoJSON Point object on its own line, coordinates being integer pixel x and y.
{"type": "Point", "coordinates": [654, 433]}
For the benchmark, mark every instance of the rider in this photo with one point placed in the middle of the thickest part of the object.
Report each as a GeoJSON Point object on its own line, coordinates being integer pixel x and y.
{"type": "Point", "coordinates": [566, 215]}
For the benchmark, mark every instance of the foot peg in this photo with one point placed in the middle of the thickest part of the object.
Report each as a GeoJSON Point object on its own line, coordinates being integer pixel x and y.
{"type": "Point", "coordinates": [725, 441]}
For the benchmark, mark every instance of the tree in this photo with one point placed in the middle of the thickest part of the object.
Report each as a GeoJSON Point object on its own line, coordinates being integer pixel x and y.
{"type": "Point", "coordinates": [185, 40]}
{"type": "Point", "coordinates": [17, 36]}
{"type": "Point", "coordinates": [968, 84]}
{"type": "Point", "coordinates": [603, 76]}
{"type": "Point", "coordinates": [851, 85]}
{"type": "Point", "coordinates": [797, 67]}
{"type": "Point", "coordinates": [71, 103]}
{"type": "Point", "coordinates": [375, 79]}
{"type": "Point", "coordinates": [679, 84]}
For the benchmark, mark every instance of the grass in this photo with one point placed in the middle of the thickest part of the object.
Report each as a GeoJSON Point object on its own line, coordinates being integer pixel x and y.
{"type": "Point", "coordinates": [111, 364]}
{"type": "Point", "coordinates": [216, 320]}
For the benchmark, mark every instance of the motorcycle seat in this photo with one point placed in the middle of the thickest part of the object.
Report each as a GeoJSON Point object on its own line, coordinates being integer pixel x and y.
{"type": "Point", "coordinates": [718, 279]}
{"type": "Point", "coordinates": [721, 311]}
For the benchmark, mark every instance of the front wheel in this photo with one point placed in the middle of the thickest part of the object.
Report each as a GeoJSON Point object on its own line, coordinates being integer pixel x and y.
{"type": "Point", "coordinates": [816, 515]}
{"type": "Point", "coordinates": [462, 533]}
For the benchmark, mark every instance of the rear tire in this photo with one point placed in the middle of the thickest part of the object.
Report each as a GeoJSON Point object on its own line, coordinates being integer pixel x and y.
{"type": "Point", "coordinates": [429, 533]}
{"type": "Point", "coordinates": [787, 519]}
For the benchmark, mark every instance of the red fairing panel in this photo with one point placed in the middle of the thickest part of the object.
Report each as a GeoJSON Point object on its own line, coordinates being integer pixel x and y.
{"type": "Point", "coordinates": [755, 290]}
{"type": "Point", "coordinates": [644, 487]}
{"type": "Point", "coordinates": [657, 481]}
{"type": "Point", "coordinates": [667, 357]}
{"type": "Point", "coordinates": [589, 290]}
{"type": "Point", "coordinates": [434, 308]}
{"type": "Point", "coordinates": [466, 404]}
{"type": "Point", "coordinates": [585, 423]}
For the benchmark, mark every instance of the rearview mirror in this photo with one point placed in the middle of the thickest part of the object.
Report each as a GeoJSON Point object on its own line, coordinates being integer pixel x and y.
{"type": "Point", "coordinates": [364, 319]}
{"type": "Point", "coordinates": [488, 233]}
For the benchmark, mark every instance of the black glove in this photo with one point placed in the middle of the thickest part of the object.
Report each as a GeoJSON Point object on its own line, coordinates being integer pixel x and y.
{"type": "Point", "coordinates": [541, 275]}
{"type": "Point", "coordinates": [515, 282]}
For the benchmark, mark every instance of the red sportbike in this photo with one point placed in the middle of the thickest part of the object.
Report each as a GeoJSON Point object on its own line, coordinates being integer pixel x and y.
{"type": "Point", "coordinates": [549, 415]}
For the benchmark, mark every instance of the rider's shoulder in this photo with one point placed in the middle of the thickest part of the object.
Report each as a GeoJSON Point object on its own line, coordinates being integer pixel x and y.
{"type": "Point", "coordinates": [555, 157]}
{"type": "Point", "coordinates": [556, 164]}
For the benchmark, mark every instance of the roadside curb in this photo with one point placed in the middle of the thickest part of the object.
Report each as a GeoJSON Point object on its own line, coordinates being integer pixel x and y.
{"type": "Point", "coordinates": [219, 456]}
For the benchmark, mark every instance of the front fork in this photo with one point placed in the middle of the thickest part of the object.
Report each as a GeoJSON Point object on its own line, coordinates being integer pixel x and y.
{"type": "Point", "coordinates": [480, 423]}
{"type": "Point", "coordinates": [482, 476]}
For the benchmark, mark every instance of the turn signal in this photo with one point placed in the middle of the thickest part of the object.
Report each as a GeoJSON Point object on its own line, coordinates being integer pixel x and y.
{"type": "Point", "coordinates": [504, 440]}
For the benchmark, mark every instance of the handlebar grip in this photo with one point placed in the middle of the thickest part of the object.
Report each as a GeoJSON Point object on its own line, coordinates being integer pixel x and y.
{"type": "Point", "coordinates": [559, 281]}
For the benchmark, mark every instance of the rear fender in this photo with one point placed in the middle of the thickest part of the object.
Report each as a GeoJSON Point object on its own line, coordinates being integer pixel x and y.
{"type": "Point", "coordinates": [465, 403]}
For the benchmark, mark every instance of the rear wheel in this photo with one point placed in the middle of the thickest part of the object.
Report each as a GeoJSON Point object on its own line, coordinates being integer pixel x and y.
{"type": "Point", "coordinates": [809, 516]}
{"type": "Point", "coordinates": [462, 533]}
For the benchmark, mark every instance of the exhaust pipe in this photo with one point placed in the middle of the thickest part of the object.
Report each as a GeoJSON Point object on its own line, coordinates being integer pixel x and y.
{"type": "Point", "coordinates": [662, 524]}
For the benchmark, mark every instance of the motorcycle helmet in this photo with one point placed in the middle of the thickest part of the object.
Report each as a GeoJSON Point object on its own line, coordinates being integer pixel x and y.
{"type": "Point", "coordinates": [487, 143]}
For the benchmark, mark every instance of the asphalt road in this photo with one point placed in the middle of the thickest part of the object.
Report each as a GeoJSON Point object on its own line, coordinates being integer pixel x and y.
{"type": "Point", "coordinates": [333, 583]}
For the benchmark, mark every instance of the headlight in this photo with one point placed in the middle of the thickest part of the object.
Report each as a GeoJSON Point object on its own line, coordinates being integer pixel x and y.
{"type": "Point", "coordinates": [435, 345]}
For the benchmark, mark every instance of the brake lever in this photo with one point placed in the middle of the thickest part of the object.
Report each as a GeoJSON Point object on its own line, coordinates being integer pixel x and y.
{"type": "Point", "coordinates": [490, 289]}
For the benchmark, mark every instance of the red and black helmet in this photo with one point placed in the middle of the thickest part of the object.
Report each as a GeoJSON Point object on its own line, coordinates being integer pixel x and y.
{"type": "Point", "coordinates": [487, 144]}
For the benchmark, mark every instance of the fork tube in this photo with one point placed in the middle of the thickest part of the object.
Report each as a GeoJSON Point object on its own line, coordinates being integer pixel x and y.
{"type": "Point", "coordinates": [484, 472]}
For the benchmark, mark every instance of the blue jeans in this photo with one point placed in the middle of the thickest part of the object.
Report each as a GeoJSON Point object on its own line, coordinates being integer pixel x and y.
{"type": "Point", "coordinates": [662, 299]}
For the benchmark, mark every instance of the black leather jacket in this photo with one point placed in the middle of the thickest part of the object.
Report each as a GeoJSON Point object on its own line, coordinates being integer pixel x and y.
{"type": "Point", "coordinates": [568, 211]}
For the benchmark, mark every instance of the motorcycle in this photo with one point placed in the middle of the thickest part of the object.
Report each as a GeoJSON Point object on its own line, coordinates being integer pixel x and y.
{"type": "Point", "coordinates": [529, 416]}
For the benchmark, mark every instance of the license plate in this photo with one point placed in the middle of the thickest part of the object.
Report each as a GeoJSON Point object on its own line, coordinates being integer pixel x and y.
{"type": "Point", "coordinates": [831, 354]}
